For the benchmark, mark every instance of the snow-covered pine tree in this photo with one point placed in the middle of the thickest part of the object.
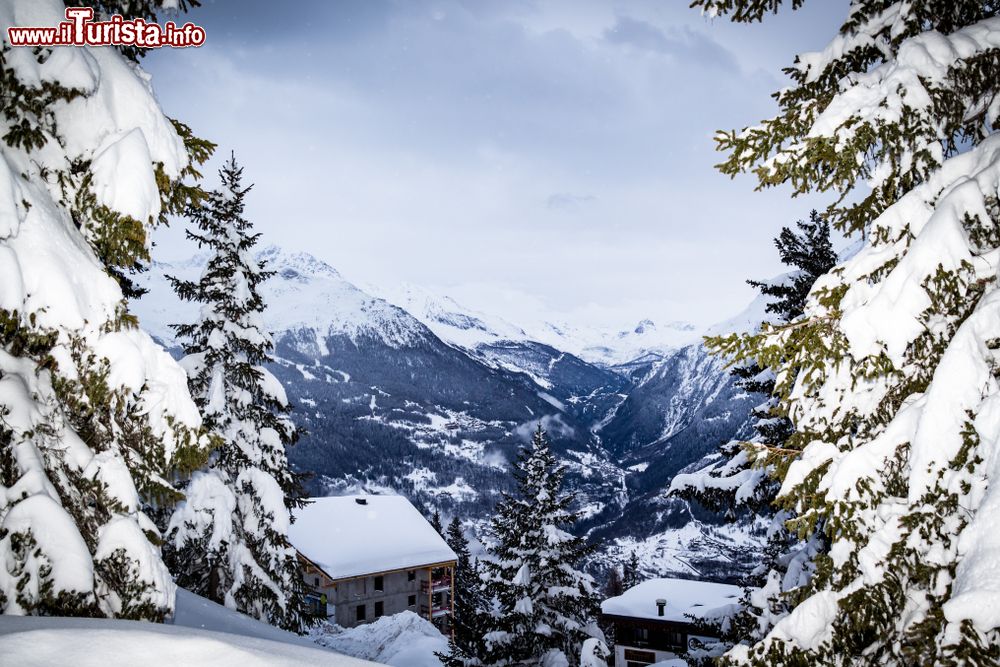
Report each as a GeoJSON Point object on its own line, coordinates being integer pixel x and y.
{"type": "Point", "coordinates": [740, 481]}
{"type": "Point", "coordinates": [613, 587]}
{"type": "Point", "coordinates": [733, 484]}
{"type": "Point", "coordinates": [94, 416]}
{"type": "Point", "coordinates": [229, 539]}
{"type": "Point", "coordinates": [544, 607]}
{"type": "Point", "coordinates": [470, 598]}
{"type": "Point", "coordinates": [891, 375]}
{"type": "Point", "coordinates": [631, 572]}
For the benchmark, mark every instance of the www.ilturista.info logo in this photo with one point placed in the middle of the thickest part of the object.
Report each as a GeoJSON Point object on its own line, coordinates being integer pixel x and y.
{"type": "Point", "coordinates": [79, 29]}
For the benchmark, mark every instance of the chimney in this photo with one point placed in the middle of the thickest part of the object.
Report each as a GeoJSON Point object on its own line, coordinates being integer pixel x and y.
{"type": "Point", "coordinates": [661, 605]}
{"type": "Point", "coordinates": [361, 501]}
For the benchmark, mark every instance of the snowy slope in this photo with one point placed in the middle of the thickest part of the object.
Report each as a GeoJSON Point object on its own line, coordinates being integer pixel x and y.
{"type": "Point", "coordinates": [196, 612]}
{"type": "Point", "coordinates": [400, 640]}
{"type": "Point", "coordinates": [451, 321]}
{"type": "Point", "coordinates": [203, 633]}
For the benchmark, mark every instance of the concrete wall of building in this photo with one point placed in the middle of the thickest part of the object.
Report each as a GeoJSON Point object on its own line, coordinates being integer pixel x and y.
{"type": "Point", "coordinates": [396, 594]}
{"type": "Point", "coordinates": [399, 592]}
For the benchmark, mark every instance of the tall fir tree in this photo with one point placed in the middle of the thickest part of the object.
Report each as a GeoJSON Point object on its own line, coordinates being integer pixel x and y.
{"type": "Point", "coordinates": [470, 598]}
{"type": "Point", "coordinates": [733, 485]}
{"type": "Point", "coordinates": [229, 539]}
{"type": "Point", "coordinates": [890, 377]}
{"type": "Point", "coordinates": [544, 607]}
{"type": "Point", "coordinates": [614, 586]}
{"type": "Point", "coordinates": [470, 612]}
{"type": "Point", "coordinates": [95, 418]}
{"type": "Point", "coordinates": [631, 572]}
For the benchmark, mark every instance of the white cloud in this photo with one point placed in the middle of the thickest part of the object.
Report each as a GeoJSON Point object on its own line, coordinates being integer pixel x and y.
{"type": "Point", "coordinates": [496, 143]}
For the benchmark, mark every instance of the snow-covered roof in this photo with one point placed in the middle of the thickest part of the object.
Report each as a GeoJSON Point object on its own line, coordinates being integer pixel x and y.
{"type": "Point", "coordinates": [349, 539]}
{"type": "Point", "coordinates": [683, 597]}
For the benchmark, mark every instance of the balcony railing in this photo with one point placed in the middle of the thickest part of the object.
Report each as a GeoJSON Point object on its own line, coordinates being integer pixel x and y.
{"type": "Point", "coordinates": [435, 585]}
{"type": "Point", "coordinates": [435, 611]}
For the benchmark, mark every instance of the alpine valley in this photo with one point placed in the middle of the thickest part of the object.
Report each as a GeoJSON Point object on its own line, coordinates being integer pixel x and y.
{"type": "Point", "coordinates": [407, 391]}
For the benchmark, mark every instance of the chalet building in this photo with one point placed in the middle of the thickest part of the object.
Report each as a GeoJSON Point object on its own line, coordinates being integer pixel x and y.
{"type": "Point", "coordinates": [364, 557]}
{"type": "Point", "coordinates": [652, 621]}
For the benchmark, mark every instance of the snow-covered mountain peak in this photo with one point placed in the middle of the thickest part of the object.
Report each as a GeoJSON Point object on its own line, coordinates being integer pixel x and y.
{"type": "Point", "coordinates": [295, 265]}
{"type": "Point", "coordinates": [643, 327]}
{"type": "Point", "coordinates": [650, 328]}
{"type": "Point", "coordinates": [304, 293]}
{"type": "Point", "coordinates": [451, 321]}
{"type": "Point", "coordinates": [308, 293]}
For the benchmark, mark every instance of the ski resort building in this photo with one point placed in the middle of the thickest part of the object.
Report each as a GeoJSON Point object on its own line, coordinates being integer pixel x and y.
{"type": "Point", "coordinates": [653, 621]}
{"type": "Point", "coordinates": [364, 557]}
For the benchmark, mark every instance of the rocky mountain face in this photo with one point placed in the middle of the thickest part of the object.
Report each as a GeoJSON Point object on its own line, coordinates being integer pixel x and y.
{"type": "Point", "coordinates": [421, 396]}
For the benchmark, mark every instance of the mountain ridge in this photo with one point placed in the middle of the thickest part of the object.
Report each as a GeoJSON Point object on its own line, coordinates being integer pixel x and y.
{"type": "Point", "coordinates": [433, 400]}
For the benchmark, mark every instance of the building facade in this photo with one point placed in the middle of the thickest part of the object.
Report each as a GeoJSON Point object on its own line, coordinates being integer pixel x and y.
{"type": "Point", "coordinates": [364, 557]}
{"type": "Point", "coordinates": [427, 591]}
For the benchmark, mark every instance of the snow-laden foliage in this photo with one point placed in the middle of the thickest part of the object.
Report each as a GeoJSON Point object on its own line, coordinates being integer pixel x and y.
{"type": "Point", "coordinates": [740, 481]}
{"type": "Point", "coordinates": [470, 597]}
{"type": "Point", "coordinates": [229, 540]}
{"type": "Point", "coordinates": [95, 418]}
{"type": "Point", "coordinates": [594, 653]}
{"type": "Point", "coordinates": [733, 483]}
{"type": "Point", "coordinates": [544, 607]}
{"type": "Point", "coordinates": [891, 375]}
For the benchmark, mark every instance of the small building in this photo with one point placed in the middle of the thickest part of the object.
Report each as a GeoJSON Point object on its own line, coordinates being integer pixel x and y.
{"type": "Point", "coordinates": [364, 557]}
{"type": "Point", "coordinates": [653, 621]}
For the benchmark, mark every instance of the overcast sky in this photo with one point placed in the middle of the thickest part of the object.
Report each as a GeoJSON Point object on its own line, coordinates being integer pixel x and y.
{"type": "Point", "coordinates": [519, 155]}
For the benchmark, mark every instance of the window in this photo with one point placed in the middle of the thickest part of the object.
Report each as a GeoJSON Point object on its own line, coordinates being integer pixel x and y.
{"type": "Point", "coordinates": [360, 611]}
{"type": "Point", "coordinates": [379, 609]}
{"type": "Point", "coordinates": [317, 581]}
{"type": "Point", "coordinates": [411, 601]}
{"type": "Point", "coordinates": [635, 658]}
{"type": "Point", "coordinates": [379, 584]}
{"type": "Point", "coordinates": [411, 575]}
{"type": "Point", "coordinates": [675, 638]}
{"type": "Point", "coordinates": [641, 636]}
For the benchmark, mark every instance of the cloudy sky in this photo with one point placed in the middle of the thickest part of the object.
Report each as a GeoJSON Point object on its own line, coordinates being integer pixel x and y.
{"type": "Point", "coordinates": [523, 156]}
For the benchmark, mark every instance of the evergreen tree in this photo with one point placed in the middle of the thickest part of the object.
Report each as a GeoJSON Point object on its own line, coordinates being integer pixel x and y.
{"type": "Point", "coordinates": [614, 586]}
{"type": "Point", "coordinates": [740, 482]}
{"type": "Point", "coordinates": [733, 483]}
{"type": "Point", "coordinates": [631, 573]}
{"type": "Point", "coordinates": [229, 539]}
{"type": "Point", "coordinates": [436, 522]}
{"type": "Point", "coordinates": [470, 602]}
{"type": "Point", "coordinates": [890, 375]}
{"type": "Point", "coordinates": [94, 416]}
{"type": "Point", "coordinates": [810, 253]}
{"type": "Point", "coordinates": [545, 607]}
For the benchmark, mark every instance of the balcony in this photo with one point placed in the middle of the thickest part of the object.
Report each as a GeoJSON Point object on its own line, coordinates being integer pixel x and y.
{"type": "Point", "coordinates": [435, 585]}
{"type": "Point", "coordinates": [437, 611]}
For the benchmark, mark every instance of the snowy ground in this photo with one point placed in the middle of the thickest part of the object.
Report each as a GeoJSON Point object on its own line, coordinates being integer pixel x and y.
{"type": "Point", "coordinates": [203, 633]}
{"type": "Point", "coordinates": [401, 640]}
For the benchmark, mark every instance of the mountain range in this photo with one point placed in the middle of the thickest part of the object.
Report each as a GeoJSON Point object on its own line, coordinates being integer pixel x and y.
{"type": "Point", "coordinates": [408, 391]}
